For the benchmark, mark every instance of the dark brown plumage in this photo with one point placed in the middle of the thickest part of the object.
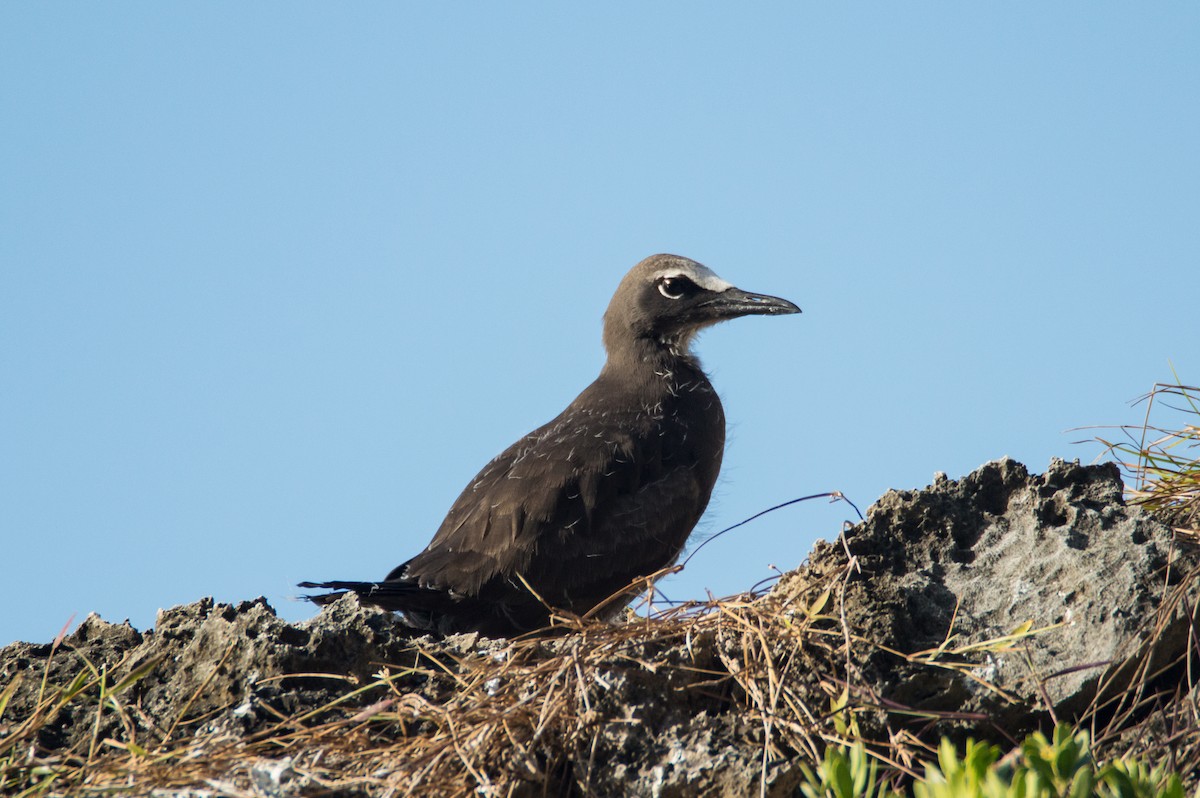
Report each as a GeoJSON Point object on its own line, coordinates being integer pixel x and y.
{"type": "Point", "coordinates": [605, 493]}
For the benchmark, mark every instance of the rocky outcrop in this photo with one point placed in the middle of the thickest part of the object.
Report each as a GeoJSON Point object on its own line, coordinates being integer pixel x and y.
{"type": "Point", "coordinates": [950, 568]}
{"type": "Point", "coordinates": [993, 602]}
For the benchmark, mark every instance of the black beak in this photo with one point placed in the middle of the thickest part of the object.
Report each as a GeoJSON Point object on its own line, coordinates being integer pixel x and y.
{"type": "Point", "coordinates": [734, 302]}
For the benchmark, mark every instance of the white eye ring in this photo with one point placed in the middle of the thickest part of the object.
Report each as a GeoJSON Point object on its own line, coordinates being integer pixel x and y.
{"type": "Point", "coordinates": [662, 289]}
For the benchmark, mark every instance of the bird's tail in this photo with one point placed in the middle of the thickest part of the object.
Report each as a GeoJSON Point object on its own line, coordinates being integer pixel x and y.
{"type": "Point", "coordinates": [395, 595]}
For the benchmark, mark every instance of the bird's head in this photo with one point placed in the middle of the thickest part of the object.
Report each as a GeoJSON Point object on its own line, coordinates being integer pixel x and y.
{"type": "Point", "coordinates": [666, 299]}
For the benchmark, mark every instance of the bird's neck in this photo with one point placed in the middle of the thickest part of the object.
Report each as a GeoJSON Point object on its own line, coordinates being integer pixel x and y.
{"type": "Point", "coordinates": [651, 362]}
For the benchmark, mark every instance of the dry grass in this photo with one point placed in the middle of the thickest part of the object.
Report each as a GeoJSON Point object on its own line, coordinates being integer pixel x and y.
{"type": "Point", "coordinates": [779, 667]}
{"type": "Point", "coordinates": [544, 711]}
{"type": "Point", "coordinates": [536, 710]}
{"type": "Point", "coordinates": [1151, 708]}
{"type": "Point", "coordinates": [1161, 457]}
{"type": "Point", "coordinates": [1158, 716]}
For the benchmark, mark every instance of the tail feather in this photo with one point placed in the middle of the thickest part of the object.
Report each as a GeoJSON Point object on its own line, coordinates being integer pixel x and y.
{"type": "Point", "coordinates": [395, 595]}
{"type": "Point", "coordinates": [440, 611]}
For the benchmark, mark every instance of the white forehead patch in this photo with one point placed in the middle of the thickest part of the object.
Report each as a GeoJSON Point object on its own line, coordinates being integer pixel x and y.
{"type": "Point", "coordinates": [699, 274]}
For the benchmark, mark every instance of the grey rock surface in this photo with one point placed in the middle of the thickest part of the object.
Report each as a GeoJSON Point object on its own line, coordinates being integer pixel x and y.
{"type": "Point", "coordinates": [968, 561]}
{"type": "Point", "coordinates": [957, 564]}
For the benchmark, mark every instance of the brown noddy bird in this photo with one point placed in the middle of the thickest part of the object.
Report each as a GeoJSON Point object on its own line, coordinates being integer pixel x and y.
{"type": "Point", "coordinates": [606, 493]}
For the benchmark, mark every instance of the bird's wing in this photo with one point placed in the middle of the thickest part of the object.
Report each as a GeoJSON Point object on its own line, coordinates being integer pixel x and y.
{"type": "Point", "coordinates": [641, 532]}
{"type": "Point", "coordinates": [569, 510]}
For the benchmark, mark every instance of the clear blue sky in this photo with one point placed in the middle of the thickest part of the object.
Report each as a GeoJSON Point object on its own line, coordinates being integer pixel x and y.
{"type": "Point", "coordinates": [277, 279]}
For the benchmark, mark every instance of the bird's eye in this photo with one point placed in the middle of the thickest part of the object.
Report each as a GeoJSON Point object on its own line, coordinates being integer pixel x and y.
{"type": "Point", "coordinates": [675, 287]}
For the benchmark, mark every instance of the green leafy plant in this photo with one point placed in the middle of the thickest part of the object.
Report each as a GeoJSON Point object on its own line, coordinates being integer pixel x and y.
{"type": "Point", "coordinates": [972, 774]}
{"type": "Point", "coordinates": [1124, 778]}
{"type": "Point", "coordinates": [844, 772]}
{"type": "Point", "coordinates": [1059, 766]}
